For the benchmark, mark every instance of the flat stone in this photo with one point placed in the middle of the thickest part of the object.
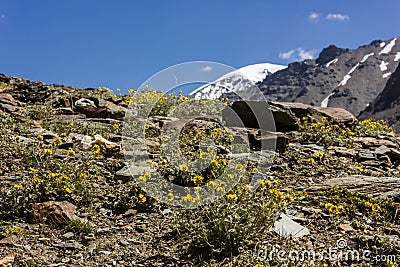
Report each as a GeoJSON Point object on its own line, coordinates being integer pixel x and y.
{"type": "Point", "coordinates": [128, 173]}
{"type": "Point", "coordinates": [45, 133]}
{"type": "Point", "coordinates": [346, 227]}
{"type": "Point", "coordinates": [376, 186]}
{"type": "Point", "coordinates": [68, 245]}
{"type": "Point", "coordinates": [286, 227]}
{"type": "Point", "coordinates": [343, 151]}
{"type": "Point", "coordinates": [368, 141]}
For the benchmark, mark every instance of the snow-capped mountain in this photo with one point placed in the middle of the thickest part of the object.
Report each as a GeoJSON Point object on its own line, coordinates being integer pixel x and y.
{"type": "Point", "coordinates": [238, 80]}
{"type": "Point", "coordinates": [348, 78]}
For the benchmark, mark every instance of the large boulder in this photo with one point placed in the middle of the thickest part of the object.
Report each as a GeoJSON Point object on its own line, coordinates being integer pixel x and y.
{"type": "Point", "coordinates": [54, 213]}
{"type": "Point", "coordinates": [283, 114]}
{"type": "Point", "coordinates": [99, 108]}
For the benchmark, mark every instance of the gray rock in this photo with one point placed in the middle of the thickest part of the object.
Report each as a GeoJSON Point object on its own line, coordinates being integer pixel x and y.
{"type": "Point", "coordinates": [68, 245]}
{"type": "Point", "coordinates": [286, 227]}
{"type": "Point", "coordinates": [83, 102]}
{"type": "Point", "coordinates": [45, 133]}
{"type": "Point", "coordinates": [376, 186]}
{"type": "Point", "coordinates": [128, 173]}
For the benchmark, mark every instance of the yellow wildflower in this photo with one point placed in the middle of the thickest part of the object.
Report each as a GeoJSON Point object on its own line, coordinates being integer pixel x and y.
{"type": "Point", "coordinates": [142, 178]}
{"type": "Point", "coordinates": [142, 198]}
{"type": "Point", "coordinates": [232, 197]}
{"type": "Point", "coordinates": [33, 169]}
{"type": "Point", "coordinates": [40, 137]}
{"type": "Point", "coordinates": [71, 152]}
{"type": "Point", "coordinates": [18, 186]}
{"type": "Point", "coordinates": [239, 167]}
{"type": "Point", "coordinates": [58, 141]}
{"type": "Point", "coordinates": [37, 180]}
{"type": "Point", "coordinates": [48, 152]}
{"type": "Point", "coordinates": [197, 179]}
{"type": "Point", "coordinates": [96, 149]}
{"type": "Point", "coordinates": [183, 168]}
{"type": "Point", "coordinates": [187, 198]}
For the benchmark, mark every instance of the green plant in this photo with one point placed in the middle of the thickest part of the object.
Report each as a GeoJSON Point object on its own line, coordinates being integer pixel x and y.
{"type": "Point", "coordinates": [328, 133]}
{"type": "Point", "coordinates": [79, 226]}
{"type": "Point", "coordinates": [236, 222]}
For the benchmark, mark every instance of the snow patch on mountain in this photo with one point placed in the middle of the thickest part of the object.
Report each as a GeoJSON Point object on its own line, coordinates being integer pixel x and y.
{"type": "Point", "coordinates": [388, 47]}
{"type": "Point", "coordinates": [325, 102]}
{"type": "Point", "coordinates": [397, 57]}
{"type": "Point", "coordinates": [383, 65]}
{"type": "Point", "coordinates": [385, 75]}
{"type": "Point", "coordinates": [382, 44]}
{"type": "Point", "coordinates": [258, 72]}
{"type": "Point", "coordinates": [333, 61]}
{"type": "Point", "coordinates": [348, 75]}
{"type": "Point", "coordinates": [239, 79]}
{"type": "Point", "coordinates": [366, 57]}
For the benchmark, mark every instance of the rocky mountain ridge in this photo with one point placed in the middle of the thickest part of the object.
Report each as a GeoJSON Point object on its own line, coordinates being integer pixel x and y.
{"type": "Point", "coordinates": [347, 78]}
{"type": "Point", "coordinates": [350, 79]}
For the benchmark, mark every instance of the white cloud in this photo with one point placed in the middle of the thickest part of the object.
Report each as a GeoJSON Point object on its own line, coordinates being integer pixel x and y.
{"type": "Point", "coordinates": [305, 54]}
{"type": "Point", "coordinates": [298, 54]}
{"type": "Point", "coordinates": [338, 16]}
{"type": "Point", "coordinates": [207, 69]}
{"type": "Point", "coordinates": [314, 17]}
{"type": "Point", "coordinates": [287, 55]}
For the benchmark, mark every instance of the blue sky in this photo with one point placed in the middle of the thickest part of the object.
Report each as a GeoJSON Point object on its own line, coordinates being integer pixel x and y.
{"type": "Point", "coordinates": [120, 44]}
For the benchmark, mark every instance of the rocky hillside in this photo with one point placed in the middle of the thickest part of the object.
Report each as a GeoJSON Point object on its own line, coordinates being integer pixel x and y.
{"type": "Point", "coordinates": [387, 104]}
{"type": "Point", "coordinates": [72, 190]}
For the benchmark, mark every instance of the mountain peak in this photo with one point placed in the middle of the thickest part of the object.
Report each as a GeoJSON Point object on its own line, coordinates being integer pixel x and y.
{"type": "Point", "coordinates": [329, 53]}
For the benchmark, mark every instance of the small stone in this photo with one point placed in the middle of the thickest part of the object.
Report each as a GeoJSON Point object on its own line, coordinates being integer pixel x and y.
{"type": "Point", "coordinates": [124, 243]}
{"type": "Point", "coordinates": [140, 228]}
{"type": "Point", "coordinates": [8, 260]}
{"type": "Point", "coordinates": [68, 245]}
{"type": "Point", "coordinates": [105, 252]}
{"type": "Point", "coordinates": [68, 235]}
{"type": "Point", "coordinates": [166, 212]}
{"type": "Point", "coordinates": [92, 247]}
{"type": "Point", "coordinates": [346, 227]}
{"type": "Point", "coordinates": [130, 212]}
{"type": "Point", "coordinates": [11, 240]}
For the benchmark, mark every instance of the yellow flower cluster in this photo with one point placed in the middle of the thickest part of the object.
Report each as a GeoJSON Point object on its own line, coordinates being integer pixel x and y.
{"type": "Point", "coordinates": [37, 180]}
{"type": "Point", "coordinates": [143, 178]}
{"type": "Point", "coordinates": [337, 209]}
{"type": "Point", "coordinates": [58, 141]}
{"type": "Point", "coordinates": [198, 179]}
{"type": "Point", "coordinates": [142, 198]}
{"type": "Point", "coordinates": [232, 197]}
